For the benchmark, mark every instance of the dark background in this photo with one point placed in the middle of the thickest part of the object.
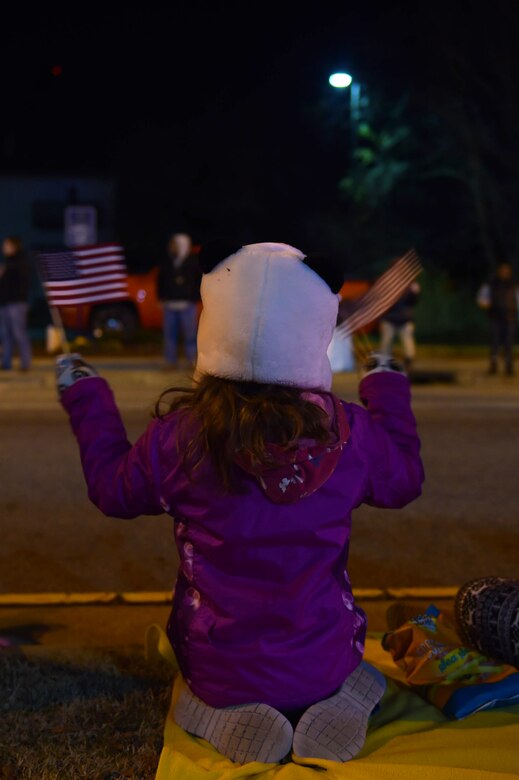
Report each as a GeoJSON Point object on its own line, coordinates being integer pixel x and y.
{"type": "Point", "coordinates": [218, 119]}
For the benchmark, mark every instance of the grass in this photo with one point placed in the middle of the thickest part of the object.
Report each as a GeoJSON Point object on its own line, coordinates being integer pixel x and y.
{"type": "Point", "coordinates": [87, 715]}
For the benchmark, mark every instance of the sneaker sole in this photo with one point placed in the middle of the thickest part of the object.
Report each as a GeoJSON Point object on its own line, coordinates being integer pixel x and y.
{"type": "Point", "coordinates": [335, 728]}
{"type": "Point", "coordinates": [247, 732]}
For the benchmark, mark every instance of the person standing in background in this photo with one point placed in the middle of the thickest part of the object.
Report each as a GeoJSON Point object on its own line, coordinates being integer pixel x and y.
{"type": "Point", "coordinates": [399, 320]}
{"type": "Point", "coordinates": [178, 289]}
{"type": "Point", "coordinates": [14, 303]}
{"type": "Point", "coordinates": [500, 299]}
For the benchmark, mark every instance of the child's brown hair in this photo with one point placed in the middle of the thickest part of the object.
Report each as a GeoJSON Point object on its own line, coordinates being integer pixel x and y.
{"type": "Point", "coordinates": [243, 416]}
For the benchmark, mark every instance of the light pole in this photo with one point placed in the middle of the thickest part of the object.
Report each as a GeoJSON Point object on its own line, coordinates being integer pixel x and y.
{"type": "Point", "coordinates": [343, 80]}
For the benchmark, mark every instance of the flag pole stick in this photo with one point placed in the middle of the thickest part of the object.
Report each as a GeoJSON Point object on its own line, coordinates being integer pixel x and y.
{"type": "Point", "coordinates": [363, 338]}
{"type": "Point", "coordinates": [58, 324]}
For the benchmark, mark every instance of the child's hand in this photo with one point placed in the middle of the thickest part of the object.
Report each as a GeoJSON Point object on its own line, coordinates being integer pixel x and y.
{"type": "Point", "coordinates": [375, 363]}
{"type": "Point", "coordinates": [71, 368]}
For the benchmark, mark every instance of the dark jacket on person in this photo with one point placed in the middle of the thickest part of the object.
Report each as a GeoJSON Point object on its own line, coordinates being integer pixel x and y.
{"type": "Point", "coordinates": [15, 274]}
{"type": "Point", "coordinates": [403, 310]}
{"type": "Point", "coordinates": [503, 299]}
{"type": "Point", "coordinates": [179, 283]}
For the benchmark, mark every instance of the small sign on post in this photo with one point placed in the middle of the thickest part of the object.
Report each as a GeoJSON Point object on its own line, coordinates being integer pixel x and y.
{"type": "Point", "coordinates": [80, 226]}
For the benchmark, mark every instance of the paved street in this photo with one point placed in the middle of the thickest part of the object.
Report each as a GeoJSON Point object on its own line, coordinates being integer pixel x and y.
{"type": "Point", "coordinates": [466, 523]}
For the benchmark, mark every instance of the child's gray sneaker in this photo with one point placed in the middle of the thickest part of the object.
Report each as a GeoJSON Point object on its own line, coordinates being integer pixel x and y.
{"type": "Point", "coordinates": [246, 732]}
{"type": "Point", "coordinates": [335, 728]}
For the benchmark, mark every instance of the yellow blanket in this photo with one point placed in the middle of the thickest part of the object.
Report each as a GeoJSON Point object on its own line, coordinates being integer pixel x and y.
{"type": "Point", "coordinates": [408, 739]}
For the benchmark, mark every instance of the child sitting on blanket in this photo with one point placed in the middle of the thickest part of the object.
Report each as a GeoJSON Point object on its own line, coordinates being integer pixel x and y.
{"type": "Point", "coordinates": [261, 465]}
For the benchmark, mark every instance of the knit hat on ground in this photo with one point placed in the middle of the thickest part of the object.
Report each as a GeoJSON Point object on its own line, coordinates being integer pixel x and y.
{"type": "Point", "coordinates": [487, 614]}
{"type": "Point", "coordinates": [267, 316]}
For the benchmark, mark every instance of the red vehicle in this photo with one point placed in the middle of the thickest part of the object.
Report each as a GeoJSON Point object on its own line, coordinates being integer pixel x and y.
{"type": "Point", "coordinates": [143, 310]}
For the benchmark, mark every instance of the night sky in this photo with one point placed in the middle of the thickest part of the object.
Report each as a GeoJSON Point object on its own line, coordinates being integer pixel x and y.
{"type": "Point", "coordinates": [218, 117]}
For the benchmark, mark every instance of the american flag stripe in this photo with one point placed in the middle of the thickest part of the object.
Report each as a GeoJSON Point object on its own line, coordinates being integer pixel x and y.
{"type": "Point", "coordinates": [75, 301]}
{"type": "Point", "coordinates": [86, 263]}
{"type": "Point", "coordinates": [85, 275]}
{"type": "Point", "coordinates": [90, 280]}
{"type": "Point", "coordinates": [102, 249]}
{"type": "Point", "coordinates": [83, 290]}
{"type": "Point", "coordinates": [93, 270]}
{"type": "Point", "coordinates": [383, 294]}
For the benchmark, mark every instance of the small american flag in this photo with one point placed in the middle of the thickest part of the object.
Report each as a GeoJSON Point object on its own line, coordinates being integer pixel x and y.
{"type": "Point", "coordinates": [383, 294]}
{"type": "Point", "coordinates": [84, 275]}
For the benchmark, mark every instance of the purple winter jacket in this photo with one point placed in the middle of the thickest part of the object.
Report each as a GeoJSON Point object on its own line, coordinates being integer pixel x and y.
{"type": "Point", "coordinates": [263, 608]}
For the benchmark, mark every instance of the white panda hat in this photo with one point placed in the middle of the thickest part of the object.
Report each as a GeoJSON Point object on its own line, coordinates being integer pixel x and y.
{"type": "Point", "coordinates": [267, 316]}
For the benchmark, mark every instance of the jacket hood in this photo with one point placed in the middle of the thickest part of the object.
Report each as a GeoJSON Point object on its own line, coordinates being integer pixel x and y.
{"type": "Point", "coordinates": [300, 471]}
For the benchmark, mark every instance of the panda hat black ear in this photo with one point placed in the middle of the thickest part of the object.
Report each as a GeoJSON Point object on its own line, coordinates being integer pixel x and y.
{"type": "Point", "coordinates": [214, 252]}
{"type": "Point", "coordinates": [327, 269]}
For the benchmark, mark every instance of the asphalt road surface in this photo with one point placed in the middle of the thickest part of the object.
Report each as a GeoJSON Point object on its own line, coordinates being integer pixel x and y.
{"type": "Point", "coordinates": [466, 523]}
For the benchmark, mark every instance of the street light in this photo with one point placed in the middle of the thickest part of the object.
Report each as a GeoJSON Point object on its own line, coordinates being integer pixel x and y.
{"type": "Point", "coordinates": [340, 80]}
{"type": "Point", "coordinates": [343, 80]}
